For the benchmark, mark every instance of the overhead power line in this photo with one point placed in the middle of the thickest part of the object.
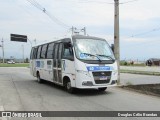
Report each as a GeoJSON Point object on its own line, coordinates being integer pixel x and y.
{"type": "Point", "coordinates": [93, 1]}
{"type": "Point", "coordinates": [128, 1]}
{"type": "Point", "coordinates": [144, 33]}
{"type": "Point", "coordinates": [52, 17]}
{"type": "Point", "coordinates": [104, 2]}
{"type": "Point", "coordinates": [35, 4]}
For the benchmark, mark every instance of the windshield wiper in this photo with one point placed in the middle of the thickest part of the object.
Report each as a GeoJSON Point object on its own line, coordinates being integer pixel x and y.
{"type": "Point", "coordinates": [93, 55]}
{"type": "Point", "coordinates": [106, 57]}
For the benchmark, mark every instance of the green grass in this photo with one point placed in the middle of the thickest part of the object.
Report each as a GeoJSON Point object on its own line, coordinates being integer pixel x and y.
{"type": "Point", "coordinates": [128, 83]}
{"type": "Point", "coordinates": [14, 65]}
{"type": "Point", "coordinates": [128, 64]}
{"type": "Point", "coordinates": [135, 65]}
{"type": "Point", "coordinates": [140, 72]}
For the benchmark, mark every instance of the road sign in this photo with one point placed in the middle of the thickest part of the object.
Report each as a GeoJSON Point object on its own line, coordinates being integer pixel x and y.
{"type": "Point", "coordinates": [18, 38]}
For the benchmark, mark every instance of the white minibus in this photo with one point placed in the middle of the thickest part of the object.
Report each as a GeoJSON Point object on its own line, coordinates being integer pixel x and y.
{"type": "Point", "coordinates": [82, 62]}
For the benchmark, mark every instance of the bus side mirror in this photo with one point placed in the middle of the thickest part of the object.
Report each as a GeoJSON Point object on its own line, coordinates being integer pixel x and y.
{"type": "Point", "coordinates": [70, 44]}
{"type": "Point", "coordinates": [112, 47]}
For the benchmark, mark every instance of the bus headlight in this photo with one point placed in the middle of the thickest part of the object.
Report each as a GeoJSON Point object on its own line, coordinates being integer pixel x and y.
{"type": "Point", "coordinates": [84, 72]}
{"type": "Point", "coordinates": [87, 83]}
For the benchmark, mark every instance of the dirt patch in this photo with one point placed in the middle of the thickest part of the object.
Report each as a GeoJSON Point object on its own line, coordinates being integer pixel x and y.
{"type": "Point", "coordinates": [150, 89]}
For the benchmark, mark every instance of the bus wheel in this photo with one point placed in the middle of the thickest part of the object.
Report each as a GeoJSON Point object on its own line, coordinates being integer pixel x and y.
{"type": "Point", "coordinates": [39, 78]}
{"type": "Point", "coordinates": [69, 88]}
{"type": "Point", "coordinates": [102, 89]}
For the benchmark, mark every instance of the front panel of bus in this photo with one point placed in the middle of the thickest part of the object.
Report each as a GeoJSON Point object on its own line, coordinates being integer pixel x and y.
{"type": "Point", "coordinates": [95, 63]}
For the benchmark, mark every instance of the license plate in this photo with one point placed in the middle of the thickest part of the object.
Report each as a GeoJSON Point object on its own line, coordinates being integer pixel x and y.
{"type": "Point", "coordinates": [103, 78]}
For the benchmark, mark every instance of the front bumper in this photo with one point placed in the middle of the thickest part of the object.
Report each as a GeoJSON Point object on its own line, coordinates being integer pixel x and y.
{"type": "Point", "coordinates": [89, 85]}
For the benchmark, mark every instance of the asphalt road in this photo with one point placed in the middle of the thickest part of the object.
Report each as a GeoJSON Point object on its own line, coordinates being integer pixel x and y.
{"type": "Point", "coordinates": [19, 91]}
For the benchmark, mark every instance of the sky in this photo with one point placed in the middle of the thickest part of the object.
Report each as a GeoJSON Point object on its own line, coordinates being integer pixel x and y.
{"type": "Point", "coordinates": [139, 24]}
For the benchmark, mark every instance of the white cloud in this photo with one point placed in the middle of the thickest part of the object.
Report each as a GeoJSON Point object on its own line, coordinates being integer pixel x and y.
{"type": "Point", "coordinates": [133, 39]}
{"type": "Point", "coordinates": [140, 10]}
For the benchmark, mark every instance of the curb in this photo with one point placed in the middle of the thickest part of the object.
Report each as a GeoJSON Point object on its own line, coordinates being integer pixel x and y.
{"type": "Point", "coordinates": [140, 72]}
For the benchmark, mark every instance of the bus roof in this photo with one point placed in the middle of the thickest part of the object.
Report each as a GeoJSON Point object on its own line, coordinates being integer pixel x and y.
{"type": "Point", "coordinates": [85, 37]}
{"type": "Point", "coordinates": [66, 40]}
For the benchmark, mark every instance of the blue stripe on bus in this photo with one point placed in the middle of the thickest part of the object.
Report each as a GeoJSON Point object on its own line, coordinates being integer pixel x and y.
{"type": "Point", "coordinates": [99, 68]}
{"type": "Point", "coordinates": [37, 63]}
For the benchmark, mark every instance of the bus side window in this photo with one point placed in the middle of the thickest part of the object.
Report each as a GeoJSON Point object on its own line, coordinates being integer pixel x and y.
{"type": "Point", "coordinates": [35, 53]}
{"type": "Point", "coordinates": [43, 52]}
{"type": "Point", "coordinates": [39, 52]}
{"type": "Point", "coordinates": [68, 52]}
{"type": "Point", "coordinates": [31, 55]}
{"type": "Point", "coordinates": [50, 51]}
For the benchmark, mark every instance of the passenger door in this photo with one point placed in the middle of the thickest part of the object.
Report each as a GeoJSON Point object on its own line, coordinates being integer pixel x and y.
{"type": "Point", "coordinates": [55, 65]}
{"type": "Point", "coordinates": [57, 69]}
{"type": "Point", "coordinates": [50, 52]}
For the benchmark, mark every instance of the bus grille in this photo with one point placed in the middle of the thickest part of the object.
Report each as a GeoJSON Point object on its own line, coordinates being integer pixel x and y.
{"type": "Point", "coordinates": [99, 75]}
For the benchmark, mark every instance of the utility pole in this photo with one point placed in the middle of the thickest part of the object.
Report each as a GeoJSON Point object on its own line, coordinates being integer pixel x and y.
{"type": "Point", "coordinates": [72, 30]}
{"type": "Point", "coordinates": [84, 30]}
{"type": "Point", "coordinates": [30, 42]}
{"type": "Point", "coordinates": [35, 41]}
{"type": "Point", "coordinates": [3, 49]}
{"type": "Point", "coordinates": [116, 36]}
{"type": "Point", "coordinates": [23, 52]}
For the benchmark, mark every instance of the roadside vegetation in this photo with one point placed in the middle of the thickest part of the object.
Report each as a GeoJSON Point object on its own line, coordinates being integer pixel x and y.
{"type": "Point", "coordinates": [14, 65]}
{"type": "Point", "coordinates": [125, 63]}
{"type": "Point", "coordinates": [140, 72]}
{"type": "Point", "coordinates": [128, 83]}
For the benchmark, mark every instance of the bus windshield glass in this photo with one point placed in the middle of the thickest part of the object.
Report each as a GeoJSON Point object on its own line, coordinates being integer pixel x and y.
{"type": "Point", "coordinates": [93, 49]}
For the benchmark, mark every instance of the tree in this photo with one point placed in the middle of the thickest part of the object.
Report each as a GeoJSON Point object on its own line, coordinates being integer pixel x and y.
{"type": "Point", "coordinates": [27, 60]}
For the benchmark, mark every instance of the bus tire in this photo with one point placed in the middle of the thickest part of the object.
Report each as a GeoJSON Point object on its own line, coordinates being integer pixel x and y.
{"type": "Point", "coordinates": [68, 86]}
{"type": "Point", "coordinates": [102, 89]}
{"type": "Point", "coordinates": [39, 80]}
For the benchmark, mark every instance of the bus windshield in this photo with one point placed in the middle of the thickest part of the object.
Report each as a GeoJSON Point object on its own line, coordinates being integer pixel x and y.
{"type": "Point", "coordinates": [93, 49]}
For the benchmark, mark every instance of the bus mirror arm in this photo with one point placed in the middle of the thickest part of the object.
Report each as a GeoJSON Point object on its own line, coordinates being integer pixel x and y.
{"type": "Point", "coordinates": [70, 44]}
{"type": "Point", "coordinates": [112, 47]}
